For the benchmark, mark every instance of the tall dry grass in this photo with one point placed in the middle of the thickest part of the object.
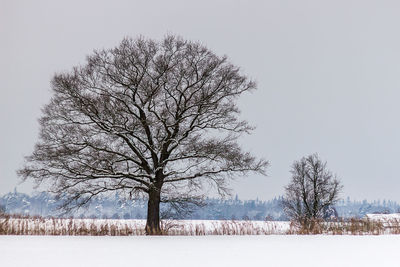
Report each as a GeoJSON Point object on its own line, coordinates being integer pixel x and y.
{"type": "Point", "coordinates": [222, 227]}
{"type": "Point", "coordinates": [22, 225]}
{"type": "Point", "coordinates": [351, 226]}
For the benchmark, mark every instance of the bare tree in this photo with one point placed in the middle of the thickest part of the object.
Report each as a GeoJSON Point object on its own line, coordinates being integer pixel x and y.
{"type": "Point", "coordinates": [313, 189]}
{"type": "Point", "coordinates": [153, 119]}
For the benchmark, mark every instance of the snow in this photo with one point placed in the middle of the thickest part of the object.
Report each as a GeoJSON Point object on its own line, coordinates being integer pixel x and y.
{"type": "Point", "coordinates": [266, 250]}
{"type": "Point", "coordinates": [383, 217]}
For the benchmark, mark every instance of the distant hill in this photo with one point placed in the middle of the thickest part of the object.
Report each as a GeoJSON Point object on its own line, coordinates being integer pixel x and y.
{"type": "Point", "coordinates": [44, 204]}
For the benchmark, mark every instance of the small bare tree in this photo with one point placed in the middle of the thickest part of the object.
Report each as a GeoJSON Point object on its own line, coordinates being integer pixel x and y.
{"type": "Point", "coordinates": [152, 119]}
{"type": "Point", "coordinates": [313, 189]}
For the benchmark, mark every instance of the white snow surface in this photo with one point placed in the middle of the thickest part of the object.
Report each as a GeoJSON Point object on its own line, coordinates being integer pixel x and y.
{"type": "Point", "coordinates": [269, 250]}
{"type": "Point", "coordinates": [383, 217]}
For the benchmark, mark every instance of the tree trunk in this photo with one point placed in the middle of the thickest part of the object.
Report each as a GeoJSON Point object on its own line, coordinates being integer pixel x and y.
{"type": "Point", "coordinates": [153, 213]}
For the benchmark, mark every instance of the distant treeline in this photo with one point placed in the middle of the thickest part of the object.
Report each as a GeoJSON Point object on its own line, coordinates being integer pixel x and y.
{"type": "Point", "coordinates": [44, 204]}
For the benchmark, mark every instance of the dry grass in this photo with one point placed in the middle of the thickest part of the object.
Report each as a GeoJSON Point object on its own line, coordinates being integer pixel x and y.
{"type": "Point", "coordinates": [20, 225]}
{"type": "Point", "coordinates": [347, 227]}
{"type": "Point", "coordinates": [223, 227]}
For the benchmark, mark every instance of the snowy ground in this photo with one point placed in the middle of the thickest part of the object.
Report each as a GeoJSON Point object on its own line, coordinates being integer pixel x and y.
{"type": "Point", "coordinates": [271, 250]}
{"type": "Point", "coordinates": [383, 217]}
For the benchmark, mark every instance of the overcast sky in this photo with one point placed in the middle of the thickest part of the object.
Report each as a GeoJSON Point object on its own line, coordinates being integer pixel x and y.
{"type": "Point", "coordinates": [328, 76]}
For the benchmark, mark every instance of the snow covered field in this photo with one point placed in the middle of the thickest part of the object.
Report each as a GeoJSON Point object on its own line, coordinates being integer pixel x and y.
{"type": "Point", "coordinates": [271, 250]}
{"type": "Point", "coordinates": [383, 217]}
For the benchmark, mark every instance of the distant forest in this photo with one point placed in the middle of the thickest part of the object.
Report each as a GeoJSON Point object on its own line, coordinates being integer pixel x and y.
{"type": "Point", "coordinates": [113, 207]}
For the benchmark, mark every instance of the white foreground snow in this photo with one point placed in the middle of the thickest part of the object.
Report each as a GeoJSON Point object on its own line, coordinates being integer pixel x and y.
{"type": "Point", "coordinates": [270, 250]}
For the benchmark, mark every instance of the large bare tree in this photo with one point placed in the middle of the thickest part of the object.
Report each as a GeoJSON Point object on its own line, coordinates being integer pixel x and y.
{"type": "Point", "coordinates": [148, 118]}
{"type": "Point", "coordinates": [312, 189]}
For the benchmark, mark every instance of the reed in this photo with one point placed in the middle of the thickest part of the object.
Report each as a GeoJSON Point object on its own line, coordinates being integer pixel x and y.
{"type": "Point", "coordinates": [24, 225]}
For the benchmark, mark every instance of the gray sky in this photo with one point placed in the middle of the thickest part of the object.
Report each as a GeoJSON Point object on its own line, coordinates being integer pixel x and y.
{"type": "Point", "coordinates": [328, 77]}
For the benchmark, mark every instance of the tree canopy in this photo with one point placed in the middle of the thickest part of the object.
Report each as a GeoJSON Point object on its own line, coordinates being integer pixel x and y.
{"type": "Point", "coordinates": [312, 189]}
{"type": "Point", "coordinates": [148, 118]}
